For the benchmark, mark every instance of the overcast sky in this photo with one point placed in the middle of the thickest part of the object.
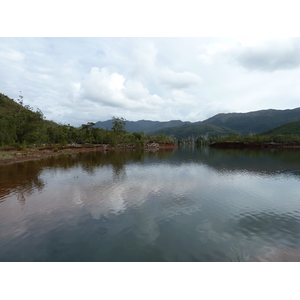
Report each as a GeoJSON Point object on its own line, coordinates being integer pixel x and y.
{"type": "Point", "coordinates": [79, 80]}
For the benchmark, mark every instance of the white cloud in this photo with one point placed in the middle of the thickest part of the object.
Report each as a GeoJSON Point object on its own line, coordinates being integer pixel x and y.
{"type": "Point", "coordinates": [268, 56]}
{"type": "Point", "coordinates": [112, 90]}
{"type": "Point", "coordinates": [178, 80]}
{"type": "Point", "coordinates": [204, 58]}
{"type": "Point", "coordinates": [103, 87]}
{"type": "Point", "coordinates": [77, 80]}
{"type": "Point", "coordinates": [135, 90]}
{"type": "Point", "coordinates": [144, 60]}
{"type": "Point", "coordinates": [11, 55]}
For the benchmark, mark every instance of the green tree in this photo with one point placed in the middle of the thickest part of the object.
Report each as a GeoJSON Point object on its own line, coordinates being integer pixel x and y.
{"type": "Point", "coordinates": [118, 131]}
{"type": "Point", "coordinates": [27, 123]}
{"type": "Point", "coordinates": [139, 138]}
{"type": "Point", "coordinates": [118, 125]}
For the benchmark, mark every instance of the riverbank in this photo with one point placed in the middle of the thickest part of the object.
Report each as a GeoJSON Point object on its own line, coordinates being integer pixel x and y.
{"type": "Point", "coordinates": [239, 145]}
{"type": "Point", "coordinates": [16, 155]}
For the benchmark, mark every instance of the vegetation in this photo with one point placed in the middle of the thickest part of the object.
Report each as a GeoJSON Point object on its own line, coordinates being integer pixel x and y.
{"type": "Point", "coordinates": [222, 124]}
{"type": "Point", "coordinates": [240, 257]}
{"type": "Point", "coordinates": [254, 122]}
{"type": "Point", "coordinates": [258, 138]}
{"type": "Point", "coordinates": [291, 128]}
{"type": "Point", "coordinates": [146, 126]}
{"type": "Point", "coordinates": [18, 122]}
{"type": "Point", "coordinates": [21, 126]}
{"type": "Point", "coordinates": [287, 133]}
{"type": "Point", "coordinates": [195, 130]}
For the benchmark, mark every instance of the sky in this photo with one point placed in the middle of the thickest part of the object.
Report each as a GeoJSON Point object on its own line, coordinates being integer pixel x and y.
{"type": "Point", "coordinates": [78, 80]}
{"type": "Point", "coordinates": [87, 61]}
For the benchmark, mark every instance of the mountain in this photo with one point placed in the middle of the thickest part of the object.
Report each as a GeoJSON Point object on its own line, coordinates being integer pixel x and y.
{"type": "Point", "coordinates": [195, 130]}
{"type": "Point", "coordinates": [292, 128]}
{"type": "Point", "coordinates": [142, 125]}
{"type": "Point", "coordinates": [256, 121]}
{"type": "Point", "coordinates": [221, 124]}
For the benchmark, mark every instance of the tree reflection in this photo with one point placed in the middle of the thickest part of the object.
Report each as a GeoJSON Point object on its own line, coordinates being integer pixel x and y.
{"type": "Point", "coordinates": [21, 179]}
{"type": "Point", "coordinates": [24, 178]}
{"type": "Point", "coordinates": [262, 161]}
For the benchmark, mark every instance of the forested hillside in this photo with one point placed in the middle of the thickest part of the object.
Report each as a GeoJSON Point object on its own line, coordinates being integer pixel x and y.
{"type": "Point", "coordinates": [221, 124]}
{"type": "Point", "coordinates": [256, 121]}
{"type": "Point", "coordinates": [20, 125]}
{"type": "Point", "coordinates": [291, 128]}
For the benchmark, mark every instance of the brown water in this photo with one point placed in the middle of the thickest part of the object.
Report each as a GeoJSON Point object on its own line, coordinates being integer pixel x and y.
{"type": "Point", "coordinates": [188, 204]}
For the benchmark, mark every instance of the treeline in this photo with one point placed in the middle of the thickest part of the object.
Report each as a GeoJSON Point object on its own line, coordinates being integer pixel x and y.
{"type": "Point", "coordinates": [258, 138]}
{"type": "Point", "coordinates": [87, 133]}
{"type": "Point", "coordinates": [20, 125]}
{"type": "Point", "coordinates": [193, 130]}
{"type": "Point", "coordinates": [287, 133]}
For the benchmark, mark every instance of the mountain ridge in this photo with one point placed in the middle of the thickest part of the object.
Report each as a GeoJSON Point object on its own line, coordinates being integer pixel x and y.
{"type": "Point", "coordinates": [253, 122]}
{"type": "Point", "coordinates": [142, 125]}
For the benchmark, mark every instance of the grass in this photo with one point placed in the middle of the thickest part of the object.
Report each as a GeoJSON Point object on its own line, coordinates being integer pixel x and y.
{"type": "Point", "coordinates": [240, 257]}
{"type": "Point", "coordinates": [8, 154]}
{"type": "Point", "coordinates": [14, 154]}
{"type": "Point", "coordinates": [68, 151]}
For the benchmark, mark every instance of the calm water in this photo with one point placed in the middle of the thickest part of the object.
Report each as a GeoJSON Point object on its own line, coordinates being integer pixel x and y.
{"type": "Point", "coordinates": [190, 204]}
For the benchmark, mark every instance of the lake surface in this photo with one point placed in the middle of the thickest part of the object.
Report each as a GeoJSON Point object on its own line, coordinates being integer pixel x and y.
{"type": "Point", "coordinates": [187, 204]}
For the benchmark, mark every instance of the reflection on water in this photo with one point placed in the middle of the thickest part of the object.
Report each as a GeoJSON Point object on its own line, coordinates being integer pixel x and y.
{"type": "Point", "coordinates": [190, 204]}
{"type": "Point", "coordinates": [20, 180]}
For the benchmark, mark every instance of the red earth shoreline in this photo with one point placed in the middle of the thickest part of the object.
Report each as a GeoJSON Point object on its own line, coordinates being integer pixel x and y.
{"type": "Point", "coordinates": [21, 155]}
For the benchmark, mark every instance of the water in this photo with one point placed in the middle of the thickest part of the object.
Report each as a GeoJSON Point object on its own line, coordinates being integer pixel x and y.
{"type": "Point", "coordinates": [187, 204]}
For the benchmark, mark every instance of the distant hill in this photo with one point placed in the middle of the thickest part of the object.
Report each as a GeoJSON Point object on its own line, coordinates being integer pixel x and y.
{"type": "Point", "coordinates": [256, 121]}
{"type": "Point", "coordinates": [142, 125]}
{"type": "Point", "coordinates": [195, 130]}
{"type": "Point", "coordinates": [218, 125]}
{"type": "Point", "coordinates": [177, 128]}
{"type": "Point", "coordinates": [292, 128]}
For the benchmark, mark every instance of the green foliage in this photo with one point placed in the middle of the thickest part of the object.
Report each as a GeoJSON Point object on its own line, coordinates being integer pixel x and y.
{"type": "Point", "coordinates": [254, 122]}
{"type": "Point", "coordinates": [160, 138]}
{"type": "Point", "coordinates": [240, 257]}
{"type": "Point", "coordinates": [27, 123]}
{"type": "Point", "coordinates": [118, 125]}
{"type": "Point", "coordinates": [20, 126]}
{"type": "Point", "coordinates": [139, 138]}
{"type": "Point", "coordinates": [195, 130]}
{"type": "Point", "coordinates": [19, 122]}
{"type": "Point", "coordinates": [257, 138]}
{"type": "Point", "coordinates": [202, 141]}
{"type": "Point", "coordinates": [291, 128]}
